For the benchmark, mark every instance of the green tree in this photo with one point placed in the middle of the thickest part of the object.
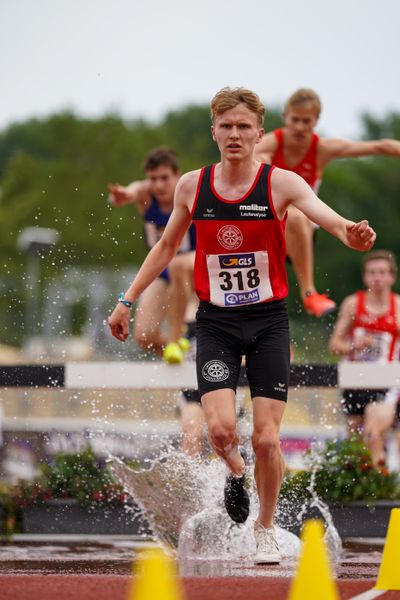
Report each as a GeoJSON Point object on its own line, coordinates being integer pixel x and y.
{"type": "Point", "coordinates": [54, 173]}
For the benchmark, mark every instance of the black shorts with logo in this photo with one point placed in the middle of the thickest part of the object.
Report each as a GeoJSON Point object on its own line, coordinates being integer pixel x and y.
{"type": "Point", "coordinates": [260, 332]}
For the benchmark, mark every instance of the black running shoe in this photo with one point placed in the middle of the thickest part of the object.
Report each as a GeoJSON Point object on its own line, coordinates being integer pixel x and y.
{"type": "Point", "coordinates": [237, 501]}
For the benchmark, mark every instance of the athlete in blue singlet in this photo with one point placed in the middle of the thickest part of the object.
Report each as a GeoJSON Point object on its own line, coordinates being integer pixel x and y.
{"type": "Point", "coordinates": [153, 198]}
{"type": "Point", "coordinates": [168, 296]}
{"type": "Point", "coordinates": [155, 220]}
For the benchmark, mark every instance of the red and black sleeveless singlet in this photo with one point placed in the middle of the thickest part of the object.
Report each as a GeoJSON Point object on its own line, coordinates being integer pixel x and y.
{"type": "Point", "coordinates": [240, 249]}
{"type": "Point", "coordinates": [306, 168]}
{"type": "Point", "coordinates": [383, 328]}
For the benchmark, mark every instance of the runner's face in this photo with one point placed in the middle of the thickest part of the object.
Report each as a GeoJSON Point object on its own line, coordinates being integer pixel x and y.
{"type": "Point", "coordinates": [236, 132]}
{"type": "Point", "coordinates": [163, 181]}
{"type": "Point", "coordinates": [300, 122]}
{"type": "Point", "coordinates": [377, 275]}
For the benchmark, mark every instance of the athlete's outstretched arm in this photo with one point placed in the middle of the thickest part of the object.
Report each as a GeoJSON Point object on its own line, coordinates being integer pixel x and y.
{"type": "Point", "coordinates": [137, 192]}
{"type": "Point", "coordinates": [160, 255]}
{"type": "Point", "coordinates": [336, 148]}
{"type": "Point", "coordinates": [289, 188]}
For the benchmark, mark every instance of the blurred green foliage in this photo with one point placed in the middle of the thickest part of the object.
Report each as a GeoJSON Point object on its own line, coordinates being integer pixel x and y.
{"type": "Point", "coordinates": [343, 473]}
{"type": "Point", "coordinates": [79, 476]}
{"type": "Point", "coordinates": [54, 173]}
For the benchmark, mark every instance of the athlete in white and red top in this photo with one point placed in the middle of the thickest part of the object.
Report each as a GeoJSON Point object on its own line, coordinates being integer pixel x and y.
{"type": "Point", "coordinates": [307, 167]}
{"type": "Point", "coordinates": [242, 322]}
{"type": "Point", "coordinates": [297, 148]}
{"type": "Point", "coordinates": [368, 329]}
{"type": "Point", "coordinates": [379, 333]}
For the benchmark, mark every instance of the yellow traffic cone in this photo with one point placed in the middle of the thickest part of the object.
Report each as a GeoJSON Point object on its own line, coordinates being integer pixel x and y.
{"type": "Point", "coordinates": [155, 578]}
{"type": "Point", "coordinates": [389, 572]}
{"type": "Point", "coordinates": [313, 579]}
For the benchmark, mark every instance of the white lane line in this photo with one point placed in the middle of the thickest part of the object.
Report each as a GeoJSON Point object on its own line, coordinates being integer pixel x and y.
{"type": "Point", "coordinates": [368, 595]}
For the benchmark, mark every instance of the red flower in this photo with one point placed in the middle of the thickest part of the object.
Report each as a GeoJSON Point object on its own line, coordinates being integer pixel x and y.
{"type": "Point", "coordinates": [365, 467]}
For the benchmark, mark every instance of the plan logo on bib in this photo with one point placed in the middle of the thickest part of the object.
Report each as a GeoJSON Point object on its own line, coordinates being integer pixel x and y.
{"type": "Point", "coordinates": [237, 298]}
{"type": "Point", "coordinates": [215, 370]}
{"type": "Point", "coordinates": [230, 237]}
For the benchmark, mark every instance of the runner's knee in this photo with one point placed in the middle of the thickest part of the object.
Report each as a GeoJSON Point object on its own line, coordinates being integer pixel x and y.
{"type": "Point", "coordinates": [265, 445]}
{"type": "Point", "coordinates": [144, 338]}
{"type": "Point", "coordinates": [177, 267]}
{"type": "Point", "coordinates": [174, 269]}
{"type": "Point", "coordinates": [221, 436]}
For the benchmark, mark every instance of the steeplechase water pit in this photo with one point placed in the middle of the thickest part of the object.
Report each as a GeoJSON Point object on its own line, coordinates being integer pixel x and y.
{"type": "Point", "coordinates": [101, 567]}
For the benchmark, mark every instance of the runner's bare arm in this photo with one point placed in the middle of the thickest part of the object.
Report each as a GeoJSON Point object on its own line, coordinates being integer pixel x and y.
{"type": "Point", "coordinates": [338, 343]}
{"type": "Point", "coordinates": [398, 311]}
{"type": "Point", "coordinates": [137, 192]}
{"type": "Point", "coordinates": [336, 148]}
{"type": "Point", "coordinates": [160, 255]}
{"type": "Point", "coordinates": [266, 148]}
{"type": "Point", "coordinates": [290, 188]}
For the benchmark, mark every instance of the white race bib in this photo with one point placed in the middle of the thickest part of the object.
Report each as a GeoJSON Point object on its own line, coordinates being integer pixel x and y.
{"type": "Point", "coordinates": [379, 349]}
{"type": "Point", "coordinates": [239, 279]}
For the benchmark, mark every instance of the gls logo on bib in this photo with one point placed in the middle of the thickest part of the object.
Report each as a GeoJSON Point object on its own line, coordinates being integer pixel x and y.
{"type": "Point", "coordinates": [237, 261]}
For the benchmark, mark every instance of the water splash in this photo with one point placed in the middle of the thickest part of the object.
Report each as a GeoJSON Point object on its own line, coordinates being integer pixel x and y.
{"type": "Point", "coordinates": [332, 538]}
{"type": "Point", "coordinates": [182, 500]}
{"type": "Point", "coordinates": [168, 492]}
{"type": "Point", "coordinates": [315, 508]}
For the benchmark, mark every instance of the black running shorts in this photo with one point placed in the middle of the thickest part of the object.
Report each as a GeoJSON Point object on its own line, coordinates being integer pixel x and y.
{"type": "Point", "coordinates": [191, 396]}
{"type": "Point", "coordinates": [259, 332]}
{"type": "Point", "coordinates": [354, 402]}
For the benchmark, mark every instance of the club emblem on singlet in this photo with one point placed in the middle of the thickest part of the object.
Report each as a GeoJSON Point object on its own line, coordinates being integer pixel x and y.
{"type": "Point", "coordinates": [215, 370]}
{"type": "Point", "coordinates": [230, 237]}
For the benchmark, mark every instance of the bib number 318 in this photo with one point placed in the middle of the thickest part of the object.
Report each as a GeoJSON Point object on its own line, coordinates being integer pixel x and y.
{"type": "Point", "coordinates": [239, 279]}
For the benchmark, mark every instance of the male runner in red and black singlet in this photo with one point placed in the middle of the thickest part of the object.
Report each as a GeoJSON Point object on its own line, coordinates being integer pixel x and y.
{"type": "Point", "coordinates": [239, 208]}
{"type": "Point", "coordinates": [298, 148]}
{"type": "Point", "coordinates": [368, 329]}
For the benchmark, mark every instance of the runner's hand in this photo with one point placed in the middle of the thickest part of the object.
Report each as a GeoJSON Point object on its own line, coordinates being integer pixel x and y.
{"type": "Point", "coordinates": [118, 195]}
{"type": "Point", "coordinates": [367, 341]}
{"type": "Point", "coordinates": [118, 322]}
{"type": "Point", "coordinates": [360, 236]}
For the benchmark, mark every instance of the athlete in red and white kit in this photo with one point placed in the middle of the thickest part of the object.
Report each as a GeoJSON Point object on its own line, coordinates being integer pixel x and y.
{"type": "Point", "coordinates": [368, 329]}
{"type": "Point", "coordinates": [239, 207]}
{"type": "Point", "coordinates": [298, 148]}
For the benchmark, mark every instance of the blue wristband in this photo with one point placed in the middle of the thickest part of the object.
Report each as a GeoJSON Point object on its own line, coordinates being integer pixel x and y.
{"type": "Point", "coordinates": [124, 302]}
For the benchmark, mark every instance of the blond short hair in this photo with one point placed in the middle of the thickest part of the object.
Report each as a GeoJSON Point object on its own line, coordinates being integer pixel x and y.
{"type": "Point", "coordinates": [228, 98]}
{"type": "Point", "coordinates": [381, 255]}
{"type": "Point", "coordinates": [304, 96]}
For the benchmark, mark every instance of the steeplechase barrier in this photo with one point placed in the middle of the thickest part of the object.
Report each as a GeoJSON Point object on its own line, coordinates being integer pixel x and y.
{"type": "Point", "coordinates": [152, 374]}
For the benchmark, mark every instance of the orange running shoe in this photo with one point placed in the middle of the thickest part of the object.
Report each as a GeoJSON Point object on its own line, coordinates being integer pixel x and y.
{"type": "Point", "coordinates": [318, 305]}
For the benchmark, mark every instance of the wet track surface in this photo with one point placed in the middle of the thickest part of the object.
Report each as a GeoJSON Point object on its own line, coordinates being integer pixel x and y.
{"type": "Point", "coordinates": [116, 556]}
{"type": "Point", "coordinates": [101, 569]}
